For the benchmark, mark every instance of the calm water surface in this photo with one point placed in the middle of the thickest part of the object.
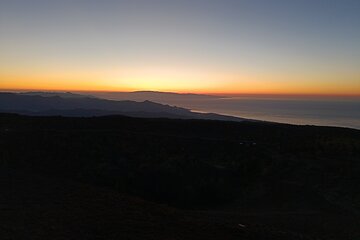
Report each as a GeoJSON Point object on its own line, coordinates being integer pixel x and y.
{"type": "Point", "coordinates": [343, 113]}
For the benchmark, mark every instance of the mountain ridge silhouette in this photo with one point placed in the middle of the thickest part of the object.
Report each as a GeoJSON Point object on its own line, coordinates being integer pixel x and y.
{"type": "Point", "coordinates": [62, 104]}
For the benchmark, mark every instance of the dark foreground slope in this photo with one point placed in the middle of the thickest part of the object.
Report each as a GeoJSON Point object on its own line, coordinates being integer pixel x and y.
{"type": "Point", "coordinates": [118, 177]}
{"type": "Point", "coordinates": [49, 208]}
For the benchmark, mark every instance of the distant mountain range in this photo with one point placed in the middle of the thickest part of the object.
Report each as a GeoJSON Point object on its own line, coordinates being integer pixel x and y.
{"type": "Point", "coordinates": [176, 99]}
{"type": "Point", "coordinates": [72, 104]}
{"type": "Point", "coordinates": [56, 94]}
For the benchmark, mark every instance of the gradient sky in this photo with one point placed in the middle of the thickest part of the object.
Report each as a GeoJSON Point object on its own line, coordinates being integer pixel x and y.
{"type": "Point", "coordinates": [223, 46]}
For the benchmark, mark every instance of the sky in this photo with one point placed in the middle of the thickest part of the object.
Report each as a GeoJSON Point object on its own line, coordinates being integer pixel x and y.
{"type": "Point", "coordinates": [223, 46]}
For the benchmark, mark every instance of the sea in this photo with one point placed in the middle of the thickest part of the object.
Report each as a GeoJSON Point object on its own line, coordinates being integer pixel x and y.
{"type": "Point", "coordinates": [300, 111]}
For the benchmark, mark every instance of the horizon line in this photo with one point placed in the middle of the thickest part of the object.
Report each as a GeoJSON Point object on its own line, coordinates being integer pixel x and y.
{"type": "Point", "coordinates": [187, 92]}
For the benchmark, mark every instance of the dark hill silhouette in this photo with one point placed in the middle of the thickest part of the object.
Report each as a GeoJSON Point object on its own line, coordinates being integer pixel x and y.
{"type": "Point", "coordinates": [83, 178]}
{"type": "Point", "coordinates": [68, 104]}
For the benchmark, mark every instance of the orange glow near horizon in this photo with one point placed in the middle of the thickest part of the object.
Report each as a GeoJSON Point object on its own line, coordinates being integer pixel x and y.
{"type": "Point", "coordinates": [181, 80]}
{"type": "Point", "coordinates": [230, 92]}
